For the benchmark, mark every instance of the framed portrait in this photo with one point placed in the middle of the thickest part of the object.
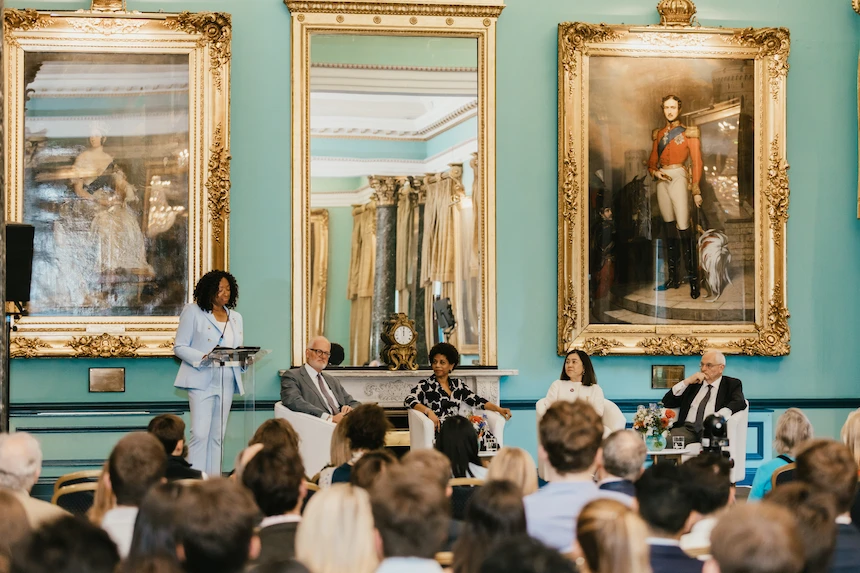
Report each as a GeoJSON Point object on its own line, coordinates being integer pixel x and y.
{"type": "Point", "coordinates": [665, 376]}
{"type": "Point", "coordinates": [673, 188]}
{"type": "Point", "coordinates": [118, 155]}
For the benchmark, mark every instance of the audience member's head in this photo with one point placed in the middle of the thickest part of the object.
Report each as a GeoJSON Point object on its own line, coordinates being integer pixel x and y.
{"type": "Point", "coordinates": [755, 538]}
{"type": "Point", "coordinates": [458, 440]}
{"type": "Point", "coordinates": [829, 466]}
{"type": "Point", "coordinates": [339, 449]}
{"type": "Point", "coordinates": [136, 463]}
{"type": "Point", "coordinates": [709, 482]}
{"type": "Point", "coordinates": [411, 516]}
{"type": "Point", "coordinates": [336, 532]}
{"type": "Point", "coordinates": [289, 566]}
{"type": "Point", "coordinates": [20, 461]}
{"type": "Point", "coordinates": [432, 464]}
{"type": "Point", "coordinates": [612, 537]}
{"type": "Point", "coordinates": [664, 500]}
{"type": "Point", "coordinates": [815, 514]}
{"type": "Point", "coordinates": [276, 478]}
{"type": "Point", "coordinates": [14, 526]}
{"type": "Point", "coordinates": [337, 355]}
{"type": "Point", "coordinates": [366, 427]}
{"type": "Point", "coordinates": [276, 433]}
{"type": "Point", "coordinates": [242, 458]}
{"type": "Point", "coordinates": [170, 431]}
{"type": "Point", "coordinates": [66, 545]}
{"type": "Point", "coordinates": [524, 554]}
{"type": "Point", "coordinates": [792, 429]}
{"type": "Point", "coordinates": [494, 511]}
{"type": "Point", "coordinates": [103, 500]}
{"type": "Point", "coordinates": [624, 454]}
{"type": "Point", "coordinates": [851, 434]}
{"type": "Point", "coordinates": [155, 526]}
{"type": "Point", "coordinates": [216, 527]}
{"type": "Point", "coordinates": [570, 434]}
{"type": "Point", "coordinates": [152, 565]}
{"type": "Point", "coordinates": [516, 465]}
{"type": "Point", "coordinates": [371, 465]}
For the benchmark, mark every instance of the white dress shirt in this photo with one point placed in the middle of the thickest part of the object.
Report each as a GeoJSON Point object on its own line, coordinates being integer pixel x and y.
{"type": "Point", "coordinates": [711, 406]}
{"type": "Point", "coordinates": [315, 376]}
{"type": "Point", "coordinates": [119, 524]}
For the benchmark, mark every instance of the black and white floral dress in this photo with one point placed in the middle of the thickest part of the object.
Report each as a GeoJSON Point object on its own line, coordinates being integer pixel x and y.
{"type": "Point", "coordinates": [429, 393]}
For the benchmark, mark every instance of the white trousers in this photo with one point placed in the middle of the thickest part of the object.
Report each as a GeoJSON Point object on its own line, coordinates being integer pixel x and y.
{"type": "Point", "coordinates": [209, 410]}
{"type": "Point", "coordinates": [673, 197]}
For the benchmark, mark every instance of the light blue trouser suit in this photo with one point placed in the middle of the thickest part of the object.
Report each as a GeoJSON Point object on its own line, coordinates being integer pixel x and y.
{"type": "Point", "coordinates": [209, 411]}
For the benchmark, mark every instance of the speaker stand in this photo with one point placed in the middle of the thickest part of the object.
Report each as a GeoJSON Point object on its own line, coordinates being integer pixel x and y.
{"type": "Point", "coordinates": [11, 317]}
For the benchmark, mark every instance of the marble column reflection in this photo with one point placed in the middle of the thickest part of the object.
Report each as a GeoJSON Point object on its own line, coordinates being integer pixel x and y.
{"type": "Point", "coordinates": [385, 194]}
{"type": "Point", "coordinates": [417, 311]}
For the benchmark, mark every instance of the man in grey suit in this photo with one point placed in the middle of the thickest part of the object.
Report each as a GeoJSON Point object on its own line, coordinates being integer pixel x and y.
{"type": "Point", "coordinates": [306, 389]}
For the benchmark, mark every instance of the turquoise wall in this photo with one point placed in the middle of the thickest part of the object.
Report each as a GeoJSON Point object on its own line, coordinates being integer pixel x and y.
{"type": "Point", "coordinates": [823, 232]}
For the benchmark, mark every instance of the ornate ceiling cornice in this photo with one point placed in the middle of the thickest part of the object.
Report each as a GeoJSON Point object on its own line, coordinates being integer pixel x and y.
{"type": "Point", "coordinates": [426, 8]}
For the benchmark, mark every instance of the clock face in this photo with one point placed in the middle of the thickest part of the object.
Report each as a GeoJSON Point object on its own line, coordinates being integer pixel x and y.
{"type": "Point", "coordinates": [403, 335]}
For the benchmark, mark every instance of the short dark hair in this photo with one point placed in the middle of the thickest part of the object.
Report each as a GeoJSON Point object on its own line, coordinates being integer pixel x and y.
{"type": "Point", "coordinates": [458, 440]}
{"type": "Point", "coordinates": [370, 466]}
{"type": "Point", "coordinates": [275, 477]}
{"type": "Point", "coordinates": [66, 545]}
{"type": "Point", "coordinates": [589, 378]}
{"type": "Point", "coordinates": [136, 463]}
{"type": "Point", "coordinates": [815, 514]}
{"type": "Point", "coordinates": [524, 554]}
{"type": "Point", "coordinates": [410, 513]}
{"type": "Point", "coordinates": [571, 434]}
{"type": "Point", "coordinates": [155, 526]}
{"type": "Point", "coordinates": [288, 566]}
{"type": "Point", "coordinates": [757, 538]}
{"type": "Point", "coordinates": [668, 97]}
{"type": "Point", "coordinates": [276, 432]}
{"type": "Point", "coordinates": [207, 288]}
{"type": "Point", "coordinates": [829, 466]}
{"type": "Point", "coordinates": [709, 480]}
{"type": "Point", "coordinates": [449, 351]}
{"type": "Point", "coordinates": [169, 429]}
{"type": "Point", "coordinates": [366, 427]}
{"type": "Point", "coordinates": [216, 523]}
{"type": "Point", "coordinates": [664, 498]}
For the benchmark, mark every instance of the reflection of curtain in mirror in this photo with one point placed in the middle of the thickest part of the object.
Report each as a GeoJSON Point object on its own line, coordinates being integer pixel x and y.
{"type": "Point", "coordinates": [440, 255]}
{"type": "Point", "coordinates": [360, 286]}
{"type": "Point", "coordinates": [404, 281]}
{"type": "Point", "coordinates": [319, 271]}
{"type": "Point", "coordinates": [469, 334]}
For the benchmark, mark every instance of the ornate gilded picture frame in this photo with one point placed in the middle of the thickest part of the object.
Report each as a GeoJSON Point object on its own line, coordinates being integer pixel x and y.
{"type": "Point", "coordinates": [673, 187]}
{"type": "Point", "coordinates": [118, 154]}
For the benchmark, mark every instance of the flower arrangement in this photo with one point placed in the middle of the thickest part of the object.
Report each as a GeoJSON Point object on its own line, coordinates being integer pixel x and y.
{"type": "Point", "coordinates": [653, 420]}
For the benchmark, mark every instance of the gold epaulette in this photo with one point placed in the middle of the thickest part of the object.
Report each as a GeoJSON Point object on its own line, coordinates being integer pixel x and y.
{"type": "Point", "coordinates": [655, 134]}
{"type": "Point", "coordinates": [692, 131]}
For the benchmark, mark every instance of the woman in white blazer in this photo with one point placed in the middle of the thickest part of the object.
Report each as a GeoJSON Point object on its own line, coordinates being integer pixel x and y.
{"type": "Point", "coordinates": [577, 382]}
{"type": "Point", "coordinates": [204, 324]}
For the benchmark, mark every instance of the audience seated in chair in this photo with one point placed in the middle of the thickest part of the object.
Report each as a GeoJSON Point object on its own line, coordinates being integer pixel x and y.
{"type": "Point", "coordinates": [755, 538]}
{"type": "Point", "coordinates": [136, 463]}
{"type": "Point", "coordinates": [104, 500]}
{"type": "Point", "coordinates": [850, 435]}
{"type": "Point", "coordinates": [570, 437]}
{"type": "Point", "coordinates": [20, 467]}
{"type": "Point", "coordinates": [66, 545]}
{"type": "Point", "coordinates": [516, 465]}
{"type": "Point", "coordinates": [815, 515]}
{"type": "Point", "coordinates": [525, 554]}
{"type": "Point", "coordinates": [459, 442]}
{"type": "Point", "coordinates": [155, 535]}
{"type": "Point", "coordinates": [665, 503]}
{"type": "Point", "coordinates": [434, 466]}
{"type": "Point", "coordinates": [276, 478]}
{"type": "Point", "coordinates": [373, 464]}
{"type": "Point", "coordinates": [792, 429]}
{"type": "Point", "coordinates": [339, 454]}
{"type": "Point", "coordinates": [276, 433]}
{"type": "Point", "coordinates": [611, 537]}
{"type": "Point", "coordinates": [493, 513]}
{"type": "Point", "coordinates": [621, 461]}
{"type": "Point", "coordinates": [709, 478]}
{"type": "Point", "coordinates": [366, 427]}
{"type": "Point", "coordinates": [170, 431]}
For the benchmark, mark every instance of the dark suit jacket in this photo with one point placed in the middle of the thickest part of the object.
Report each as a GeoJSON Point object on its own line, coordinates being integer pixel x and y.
{"type": "Point", "coordinates": [178, 468]}
{"type": "Point", "coordinates": [624, 486]}
{"type": "Point", "coordinates": [277, 543]}
{"type": "Point", "coordinates": [670, 559]}
{"type": "Point", "coordinates": [301, 394]}
{"type": "Point", "coordinates": [846, 557]}
{"type": "Point", "coordinates": [730, 395]}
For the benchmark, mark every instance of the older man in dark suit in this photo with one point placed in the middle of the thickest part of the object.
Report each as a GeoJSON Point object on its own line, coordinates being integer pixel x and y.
{"type": "Point", "coordinates": [306, 389]}
{"type": "Point", "coordinates": [704, 393]}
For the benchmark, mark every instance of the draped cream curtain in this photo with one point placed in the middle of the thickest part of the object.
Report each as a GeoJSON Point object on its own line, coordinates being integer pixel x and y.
{"type": "Point", "coordinates": [404, 280]}
{"type": "Point", "coordinates": [319, 271]}
{"type": "Point", "coordinates": [360, 285]}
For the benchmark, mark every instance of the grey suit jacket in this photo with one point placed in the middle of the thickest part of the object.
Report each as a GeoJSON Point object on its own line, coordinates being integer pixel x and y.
{"type": "Point", "coordinates": [301, 394]}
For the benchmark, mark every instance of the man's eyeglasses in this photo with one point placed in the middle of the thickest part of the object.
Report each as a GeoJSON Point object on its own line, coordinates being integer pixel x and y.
{"type": "Point", "coordinates": [320, 353]}
{"type": "Point", "coordinates": [708, 365]}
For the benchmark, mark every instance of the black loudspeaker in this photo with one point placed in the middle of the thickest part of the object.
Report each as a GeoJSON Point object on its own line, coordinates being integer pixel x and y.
{"type": "Point", "coordinates": [19, 261]}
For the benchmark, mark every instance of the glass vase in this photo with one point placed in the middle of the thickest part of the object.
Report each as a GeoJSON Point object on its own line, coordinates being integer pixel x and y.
{"type": "Point", "coordinates": [655, 443]}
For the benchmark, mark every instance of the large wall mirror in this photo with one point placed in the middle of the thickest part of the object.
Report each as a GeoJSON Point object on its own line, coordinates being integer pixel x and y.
{"type": "Point", "coordinates": [393, 176]}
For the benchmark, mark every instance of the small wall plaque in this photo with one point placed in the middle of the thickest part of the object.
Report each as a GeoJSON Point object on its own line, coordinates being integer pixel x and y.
{"type": "Point", "coordinates": [666, 376]}
{"type": "Point", "coordinates": [107, 379]}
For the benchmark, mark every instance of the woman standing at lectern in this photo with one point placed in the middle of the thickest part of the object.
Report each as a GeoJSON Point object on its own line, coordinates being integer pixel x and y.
{"type": "Point", "coordinates": [209, 322]}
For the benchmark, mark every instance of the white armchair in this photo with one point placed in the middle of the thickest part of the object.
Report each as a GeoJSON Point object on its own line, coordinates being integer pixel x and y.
{"type": "Point", "coordinates": [315, 437]}
{"type": "Point", "coordinates": [422, 435]}
{"type": "Point", "coordinates": [736, 430]}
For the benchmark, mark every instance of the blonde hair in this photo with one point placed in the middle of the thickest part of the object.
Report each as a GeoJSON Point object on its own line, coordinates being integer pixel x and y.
{"type": "Point", "coordinates": [516, 465]}
{"type": "Point", "coordinates": [103, 500]}
{"type": "Point", "coordinates": [851, 434]}
{"type": "Point", "coordinates": [339, 450]}
{"type": "Point", "coordinates": [336, 533]}
{"type": "Point", "coordinates": [792, 429]}
{"type": "Point", "coordinates": [612, 538]}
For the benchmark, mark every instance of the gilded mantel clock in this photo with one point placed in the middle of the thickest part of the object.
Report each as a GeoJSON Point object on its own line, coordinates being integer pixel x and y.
{"type": "Point", "coordinates": [399, 339]}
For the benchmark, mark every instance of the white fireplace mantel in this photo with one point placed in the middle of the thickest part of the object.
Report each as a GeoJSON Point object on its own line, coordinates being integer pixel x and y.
{"type": "Point", "coordinates": [389, 387]}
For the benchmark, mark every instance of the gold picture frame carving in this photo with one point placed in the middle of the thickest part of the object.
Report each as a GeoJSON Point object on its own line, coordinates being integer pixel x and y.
{"type": "Point", "coordinates": [766, 51]}
{"type": "Point", "coordinates": [108, 31]}
{"type": "Point", "coordinates": [446, 18]}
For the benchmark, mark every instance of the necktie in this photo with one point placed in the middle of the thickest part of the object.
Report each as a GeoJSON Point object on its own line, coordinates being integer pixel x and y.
{"type": "Point", "coordinates": [700, 413]}
{"type": "Point", "coordinates": [332, 405]}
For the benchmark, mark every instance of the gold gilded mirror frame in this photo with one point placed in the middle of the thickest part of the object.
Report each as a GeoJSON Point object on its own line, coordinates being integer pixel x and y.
{"type": "Point", "coordinates": [445, 18]}
{"type": "Point", "coordinates": [764, 53]}
{"type": "Point", "coordinates": [199, 167]}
